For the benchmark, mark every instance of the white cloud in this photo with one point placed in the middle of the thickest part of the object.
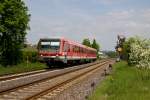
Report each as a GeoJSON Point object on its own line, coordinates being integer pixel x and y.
{"type": "Point", "coordinates": [78, 24]}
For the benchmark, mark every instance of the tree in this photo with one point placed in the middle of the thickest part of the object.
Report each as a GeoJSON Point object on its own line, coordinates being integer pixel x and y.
{"type": "Point", "coordinates": [14, 20]}
{"type": "Point", "coordinates": [86, 42]}
{"type": "Point", "coordinates": [140, 53]}
{"type": "Point", "coordinates": [137, 51]}
{"type": "Point", "coordinates": [95, 45]}
{"type": "Point", "coordinates": [127, 47]}
{"type": "Point", "coordinates": [111, 54]}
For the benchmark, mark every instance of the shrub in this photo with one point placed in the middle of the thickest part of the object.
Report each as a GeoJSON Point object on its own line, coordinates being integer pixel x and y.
{"type": "Point", "coordinates": [140, 52]}
{"type": "Point", "coordinates": [30, 56]}
{"type": "Point", "coordinates": [0, 58]}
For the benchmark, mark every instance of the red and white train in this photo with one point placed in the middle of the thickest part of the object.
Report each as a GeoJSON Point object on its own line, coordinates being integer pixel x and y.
{"type": "Point", "coordinates": [55, 50]}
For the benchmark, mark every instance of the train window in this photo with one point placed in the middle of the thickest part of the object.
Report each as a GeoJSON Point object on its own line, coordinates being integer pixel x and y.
{"type": "Point", "coordinates": [80, 49]}
{"type": "Point", "coordinates": [84, 50]}
{"type": "Point", "coordinates": [73, 48]}
{"type": "Point", "coordinates": [55, 43]}
{"type": "Point", "coordinates": [69, 48]}
{"type": "Point", "coordinates": [50, 45]}
{"type": "Point", "coordinates": [77, 49]}
{"type": "Point", "coordinates": [66, 47]}
{"type": "Point", "coordinates": [45, 43]}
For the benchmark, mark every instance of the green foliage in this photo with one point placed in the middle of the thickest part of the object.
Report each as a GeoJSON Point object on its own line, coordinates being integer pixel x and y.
{"type": "Point", "coordinates": [140, 53]}
{"type": "Point", "coordinates": [86, 42]}
{"type": "Point", "coordinates": [95, 45]}
{"type": "Point", "coordinates": [126, 48]}
{"type": "Point", "coordinates": [11, 55]}
{"type": "Point", "coordinates": [30, 56]}
{"type": "Point", "coordinates": [13, 25]}
{"type": "Point", "coordinates": [137, 51]}
{"type": "Point", "coordinates": [22, 67]}
{"type": "Point", "coordinates": [111, 54]}
{"type": "Point", "coordinates": [125, 83]}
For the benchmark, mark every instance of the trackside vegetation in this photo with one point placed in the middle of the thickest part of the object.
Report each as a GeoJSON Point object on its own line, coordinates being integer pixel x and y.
{"type": "Point", "coordinates": [29, 63]}
{"type": "Point", "coordinates": [14, 24]}
{"type": "Point", "coordinates": [22, 67]}
{"type": "Point", "coordinates": [92, 44]}
{"type": "Point", "coordinates": [137, 51]}
{"type": "Point", "coordinates": [125, 83]}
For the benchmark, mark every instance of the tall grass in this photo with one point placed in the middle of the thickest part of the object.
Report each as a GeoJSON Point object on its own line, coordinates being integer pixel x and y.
{"type": "Point", "coordinates": [22, 67]}
{"type": "Point", "coordinates": [125, 83]}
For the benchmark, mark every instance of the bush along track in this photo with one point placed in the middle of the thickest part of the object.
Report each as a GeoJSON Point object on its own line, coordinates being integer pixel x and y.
{"type": "Point", "coordinates": [22, 67]}
{"type": "Point", "coordinates": [125, 83]}
{"type": "Point", "coordinates": [29, 62]}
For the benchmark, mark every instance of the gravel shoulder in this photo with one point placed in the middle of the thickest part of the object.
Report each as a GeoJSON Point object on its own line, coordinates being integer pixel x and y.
{"type": "Point", "coordinates": [81, 90]}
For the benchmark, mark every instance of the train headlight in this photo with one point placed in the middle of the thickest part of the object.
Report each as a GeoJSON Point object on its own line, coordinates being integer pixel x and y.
{"type": "Point", "coordinates": [63, 54]}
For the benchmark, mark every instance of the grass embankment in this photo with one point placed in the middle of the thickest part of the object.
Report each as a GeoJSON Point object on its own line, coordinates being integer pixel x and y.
{"type": "Point", "coordinates": [23, 67]}
{"type": "Point", "coordinates": [29, 54]}
{"type": "Point", "coordinates": [125, 83]}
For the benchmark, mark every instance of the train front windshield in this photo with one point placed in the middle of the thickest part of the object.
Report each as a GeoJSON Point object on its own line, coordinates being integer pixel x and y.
{"type": "Point", "coordinates": [51, 45]}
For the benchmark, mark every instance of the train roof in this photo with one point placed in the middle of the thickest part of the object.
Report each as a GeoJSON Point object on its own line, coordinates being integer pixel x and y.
{"type": "Point", "coordinates": [70, 41]}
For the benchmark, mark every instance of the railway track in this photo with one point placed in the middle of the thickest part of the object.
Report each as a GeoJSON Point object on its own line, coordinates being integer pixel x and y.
{"type": "Point", "coordinates": [14, 81]}
{"type": "Point", "coordinates": [13, 76]}
{"type": "Point", "coordinates": [52, 92]}
{"type": "Point", "coordinates": [52, 81]}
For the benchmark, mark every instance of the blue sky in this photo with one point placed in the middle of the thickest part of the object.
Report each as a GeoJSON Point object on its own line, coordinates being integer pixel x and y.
{"type": "Point", "coordinates": [79, 19]}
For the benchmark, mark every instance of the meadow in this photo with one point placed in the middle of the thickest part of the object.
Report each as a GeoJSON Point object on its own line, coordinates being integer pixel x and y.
{"type": "Point", "coordinates": [125, 83]}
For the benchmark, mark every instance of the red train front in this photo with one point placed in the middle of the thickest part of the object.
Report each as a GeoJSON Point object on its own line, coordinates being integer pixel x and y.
{"type": "Point", "coordinates": [59, 50]}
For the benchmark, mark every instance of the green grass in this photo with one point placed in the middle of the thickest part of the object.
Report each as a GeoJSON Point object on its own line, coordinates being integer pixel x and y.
{"type": "Point", "coordinates": [23, 67]}
{"type": "Point", "coordinates": [29, 49]}
{"type": "Point", "coordinates": [125, 83]}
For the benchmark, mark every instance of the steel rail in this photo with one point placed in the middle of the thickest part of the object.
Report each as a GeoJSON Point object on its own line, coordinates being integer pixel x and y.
{"type": "Point", "coordinates": [41, 94]}
{"type": "Point", "coordinates": [49, 78]}
{"type": "Point", "coordinates": [13, 76]}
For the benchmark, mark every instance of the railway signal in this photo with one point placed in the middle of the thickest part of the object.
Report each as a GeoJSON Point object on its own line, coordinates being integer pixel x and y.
{"type": "Point", "coordinates": [119, 47]}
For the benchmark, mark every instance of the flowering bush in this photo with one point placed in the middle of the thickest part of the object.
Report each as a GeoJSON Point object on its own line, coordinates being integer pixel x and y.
{"type": "Point", "coordinates": [140, 52]}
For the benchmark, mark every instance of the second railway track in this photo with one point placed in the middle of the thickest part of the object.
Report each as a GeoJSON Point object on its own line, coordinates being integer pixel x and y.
{"type": "Point", "coordinates": [41, 87]}
{"type": "Point", "coordinates": [13, 76]}
{"type": "Point", "coordinates": [17, 80]}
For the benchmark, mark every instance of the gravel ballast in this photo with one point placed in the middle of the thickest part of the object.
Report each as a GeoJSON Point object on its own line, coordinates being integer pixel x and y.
{"type": "Point", "coordinates": [81, 90]}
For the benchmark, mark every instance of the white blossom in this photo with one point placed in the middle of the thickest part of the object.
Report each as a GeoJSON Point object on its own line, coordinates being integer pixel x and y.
{"type": "Point", "coordinates": [140, 53]}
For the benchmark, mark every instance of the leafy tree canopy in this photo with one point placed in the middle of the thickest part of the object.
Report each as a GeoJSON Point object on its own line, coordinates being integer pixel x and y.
{"type": "Point", "coordinates": [138, 52]}
{"type": "Point", "coordinates": [95, 45]}
{"type": "Point", "coordinates": [111, 54]}
{"type": "Point", "coordinates": [86, 42]}
{"type": "Point", "coordinates": [14, 20]}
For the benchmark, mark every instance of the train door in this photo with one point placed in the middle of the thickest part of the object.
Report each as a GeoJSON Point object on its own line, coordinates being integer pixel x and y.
{"type": "Point", "coordinates": [65, 50]}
